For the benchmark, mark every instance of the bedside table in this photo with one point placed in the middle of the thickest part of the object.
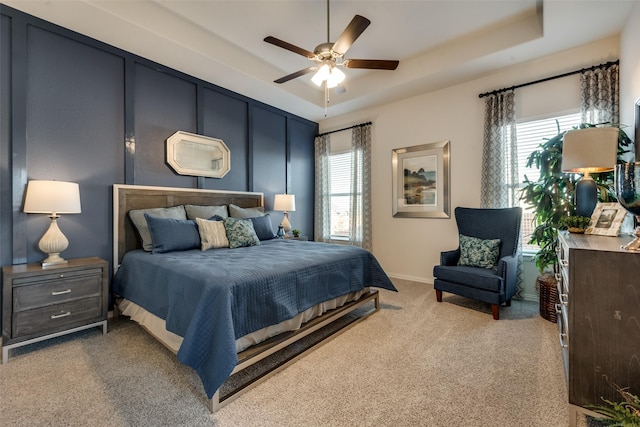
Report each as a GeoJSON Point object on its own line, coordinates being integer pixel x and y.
{"type": "Point", "coordinates": [40, 303]}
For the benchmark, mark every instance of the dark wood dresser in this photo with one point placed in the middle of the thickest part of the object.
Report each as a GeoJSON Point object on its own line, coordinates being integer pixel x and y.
{"type": "Point", "coordinates": [41, 303]}
{"type": "Point", "coordinates": [598, 318]}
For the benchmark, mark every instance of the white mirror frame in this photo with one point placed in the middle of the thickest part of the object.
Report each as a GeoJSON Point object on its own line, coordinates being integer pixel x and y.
{"type": "Point", "coordinates": [198, 155]}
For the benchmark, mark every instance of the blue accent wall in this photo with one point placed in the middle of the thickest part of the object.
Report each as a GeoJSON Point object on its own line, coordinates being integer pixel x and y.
{"type": "Point", "coordinates": [75, 109]}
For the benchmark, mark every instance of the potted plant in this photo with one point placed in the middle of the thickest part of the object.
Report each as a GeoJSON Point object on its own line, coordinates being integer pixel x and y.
{"type": "Point", "coordinates": [575, 224]}
{"type": "Point", "coordinates": [296, 233]}
{"type": "Point", "coordinates": [550, 197]}
{"type": "Point", "coordinates": [624, 414]}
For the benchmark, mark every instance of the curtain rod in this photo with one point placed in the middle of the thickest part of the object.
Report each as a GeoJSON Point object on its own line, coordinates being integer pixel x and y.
{"type": "Point", "coordinates": [608, 64]}
{"type": "Point", "coordinates": [347, 128]}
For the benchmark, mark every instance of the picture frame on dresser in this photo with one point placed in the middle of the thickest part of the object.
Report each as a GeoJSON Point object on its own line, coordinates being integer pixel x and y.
{"type": "Point", "coordinates": [606, 219]}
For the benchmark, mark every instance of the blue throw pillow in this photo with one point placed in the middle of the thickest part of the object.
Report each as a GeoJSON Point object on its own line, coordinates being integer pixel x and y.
{"type": "Point", "coordinates": [168, 234]}
{"type": "Point", "coordinates": [263, 228]}
{"type": "Point", "coordinates": [475, 252]}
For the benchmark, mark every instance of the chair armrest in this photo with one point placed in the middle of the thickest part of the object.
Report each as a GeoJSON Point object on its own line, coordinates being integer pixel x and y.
{"type": "Point", "coordinates": [508, 269]}
{"type": "Point", "coordinates": [450, 257]}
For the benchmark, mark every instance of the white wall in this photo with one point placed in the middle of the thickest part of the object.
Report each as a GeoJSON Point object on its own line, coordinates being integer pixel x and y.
{"type": "Point", "coordinates": [409, 248]}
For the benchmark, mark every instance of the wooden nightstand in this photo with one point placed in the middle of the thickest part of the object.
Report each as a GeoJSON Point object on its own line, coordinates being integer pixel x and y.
{"type": "Point", "coordinates": [41, 303]}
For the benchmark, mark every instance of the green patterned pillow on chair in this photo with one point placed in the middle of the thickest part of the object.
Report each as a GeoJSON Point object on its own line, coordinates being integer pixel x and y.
{"type": "Point", "coordinates": [475, 252]}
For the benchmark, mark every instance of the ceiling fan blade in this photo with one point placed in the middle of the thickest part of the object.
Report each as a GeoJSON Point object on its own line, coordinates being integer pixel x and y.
{"type": "Point", "coordinates": [295, 75]}
{"type": "Point", "coordinates": [373, 64]}
{"type": "Point", "coordinates": [289, 46]}
{"type": "Point", "coordinates": [357, 25]}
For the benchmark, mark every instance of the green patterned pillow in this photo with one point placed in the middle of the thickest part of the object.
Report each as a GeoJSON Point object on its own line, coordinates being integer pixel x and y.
{"type": "Point", "coordinates": [240, 232]}
{"type": "Point", "coordinates": [476, 252]}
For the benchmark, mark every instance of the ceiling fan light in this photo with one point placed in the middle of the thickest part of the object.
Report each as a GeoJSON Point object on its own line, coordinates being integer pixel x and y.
{"type": "Point", "coordinates": [336, 76]}
{"type": "Point", "coordinates": [322, 75]}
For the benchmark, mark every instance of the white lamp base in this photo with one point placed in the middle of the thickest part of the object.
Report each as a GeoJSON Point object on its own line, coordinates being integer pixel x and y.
{"type": "Point", "coordinates": [52, 243]}
{"type": "Point", "coordinates": [286, 225]}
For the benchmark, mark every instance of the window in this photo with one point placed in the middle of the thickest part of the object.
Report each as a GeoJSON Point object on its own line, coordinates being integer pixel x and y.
{"type": "Point", "coordinates": [340, 194]}
{"type": "Point", "coordinates": [530, 134]}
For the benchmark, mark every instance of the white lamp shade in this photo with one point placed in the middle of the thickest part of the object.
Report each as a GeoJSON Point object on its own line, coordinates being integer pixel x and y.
{"type": "Point", "coordinates": [48, 197]}
{"type": "Point", "coordinates": [590, 150]}
{"type": "Point", "coordinates": [284, 202]}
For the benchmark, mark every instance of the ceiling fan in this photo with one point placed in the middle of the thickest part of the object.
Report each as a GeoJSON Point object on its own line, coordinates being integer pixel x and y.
{"type": "Point", "coordinates": [329, 56]}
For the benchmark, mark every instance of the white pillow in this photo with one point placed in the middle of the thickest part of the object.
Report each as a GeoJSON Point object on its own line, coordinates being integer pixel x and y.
{"type": "Point", "coordinates": [212, 234]}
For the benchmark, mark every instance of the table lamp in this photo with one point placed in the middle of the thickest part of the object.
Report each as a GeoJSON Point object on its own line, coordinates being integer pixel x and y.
{"type": "Point", "coordinates": [586, 151]}
{"type": "Point", "coordinates": [53, 198]}
{"type": "Point", "coordinates": [285, 203]}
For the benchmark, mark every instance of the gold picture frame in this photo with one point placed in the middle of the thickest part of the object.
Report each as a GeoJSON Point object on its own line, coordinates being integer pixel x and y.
{"type": "Point", "coordinates": [606, 219]}
{"type": "Point", "coordinates": [421, 176]}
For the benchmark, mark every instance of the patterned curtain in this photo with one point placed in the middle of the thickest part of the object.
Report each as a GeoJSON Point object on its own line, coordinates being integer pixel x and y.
{"type": "Point", "coordinates": [500, 181]}
{"type": "Point", "coordinates": [600, 95]}
{"type": "Point", "coordinates": [322, 213]}
{"type": "Point", "coordinates": [360, 218]}
{"type": "Point", "coordinates": [499, 184]}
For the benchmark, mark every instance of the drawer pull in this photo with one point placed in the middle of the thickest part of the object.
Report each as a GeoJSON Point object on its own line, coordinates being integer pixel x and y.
{"type": "Point", "coordinates": [61, 292]}
{"type": "Point", "coordinates": [563, 298]}
{"type": "Point", "coordinates": [58, 316]}
{"type": "Point", "coordinates": [558, 309]}
{"type": "Point", "coordinates": [562, 339]}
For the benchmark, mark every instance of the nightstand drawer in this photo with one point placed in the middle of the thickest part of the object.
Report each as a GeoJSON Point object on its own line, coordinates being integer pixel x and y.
{"type": "Point", "coordinates": [58, 289]}
{"type": "Point", "coordinates": [56, 317]}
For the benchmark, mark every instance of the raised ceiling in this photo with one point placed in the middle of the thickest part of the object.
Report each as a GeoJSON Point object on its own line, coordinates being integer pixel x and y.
{"type": "Point", "coordinates": [438, 43]}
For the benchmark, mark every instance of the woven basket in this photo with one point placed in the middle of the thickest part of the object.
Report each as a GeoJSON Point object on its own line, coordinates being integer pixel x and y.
{"type": "Point", "coordinates": [546, 286]}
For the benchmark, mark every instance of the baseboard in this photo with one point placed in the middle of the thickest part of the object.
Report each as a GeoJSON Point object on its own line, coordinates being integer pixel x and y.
{"type": "Point", "coordinates": [524, 297]}
{"type": "Point", "coordinates": [411, 278]}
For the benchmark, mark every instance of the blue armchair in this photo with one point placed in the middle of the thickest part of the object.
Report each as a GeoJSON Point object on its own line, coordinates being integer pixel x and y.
{"type": "Point", "coordinates": [493, 282]}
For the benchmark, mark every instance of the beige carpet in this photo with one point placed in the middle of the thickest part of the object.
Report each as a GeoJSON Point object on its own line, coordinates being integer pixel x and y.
{"type": "Point", "coordinates": [414, 363]}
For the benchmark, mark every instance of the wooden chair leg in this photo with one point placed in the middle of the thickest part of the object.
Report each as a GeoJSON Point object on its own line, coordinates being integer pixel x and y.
{"type": "Point", "coordinates": [495, 309]}
{"type": "Point", "coordinates": [438, 295]}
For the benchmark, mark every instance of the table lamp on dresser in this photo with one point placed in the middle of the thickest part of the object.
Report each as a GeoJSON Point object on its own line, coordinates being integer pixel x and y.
{"type": "Point", "coordinates": [53, 198]}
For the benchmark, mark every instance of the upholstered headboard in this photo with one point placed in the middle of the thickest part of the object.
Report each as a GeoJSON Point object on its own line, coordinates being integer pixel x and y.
{"type": "Point", "coordinates": [127, 197]}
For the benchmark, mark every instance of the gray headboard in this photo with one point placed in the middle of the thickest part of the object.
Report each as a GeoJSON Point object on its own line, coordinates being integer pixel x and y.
{"type": "Point", "coordinates": [127, 197]}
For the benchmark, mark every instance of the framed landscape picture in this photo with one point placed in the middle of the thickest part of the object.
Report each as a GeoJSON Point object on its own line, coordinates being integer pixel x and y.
{"type": "Point", "coordinates": [606, 219]}
{"type": "Point", "coordinates": [421, 181]}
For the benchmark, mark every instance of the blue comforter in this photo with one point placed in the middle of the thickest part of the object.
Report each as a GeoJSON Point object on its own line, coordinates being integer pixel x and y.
{"type": "Point", "coordinates": [211, 298]}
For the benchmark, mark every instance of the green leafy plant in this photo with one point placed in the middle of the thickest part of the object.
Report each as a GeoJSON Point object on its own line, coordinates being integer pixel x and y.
{"type": "Point", "coordinates": [620, 414]}
{"type": "Point", "coordinates": [551, 195]}
{"type": "Point", "coordinates": [296, 233]}
{"type": "Point", "coordinates": [574, 224]}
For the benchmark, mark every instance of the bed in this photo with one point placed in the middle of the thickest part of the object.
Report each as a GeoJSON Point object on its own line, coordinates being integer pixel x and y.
{"type": "Point", "coordinates": [224, 309]}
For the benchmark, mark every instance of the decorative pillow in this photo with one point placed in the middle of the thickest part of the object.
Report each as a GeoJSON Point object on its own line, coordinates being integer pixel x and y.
{"type": "Point", "coordinates": [475, 252]}
{"type": "Point", "coordinates": [138, 219]}
{"type": "Point", "coordinates": [196, 211]}
{"type": "Point", "coordinates": [240, 232]}
{"type": "Point", "coordinates": [263, 228]}
{"type": "Point", "coordinates": [238, 212]}
{"type": "Point", "coordinates": [212, 234]}
{"type": "Point", "coordinates": [168, 234]}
